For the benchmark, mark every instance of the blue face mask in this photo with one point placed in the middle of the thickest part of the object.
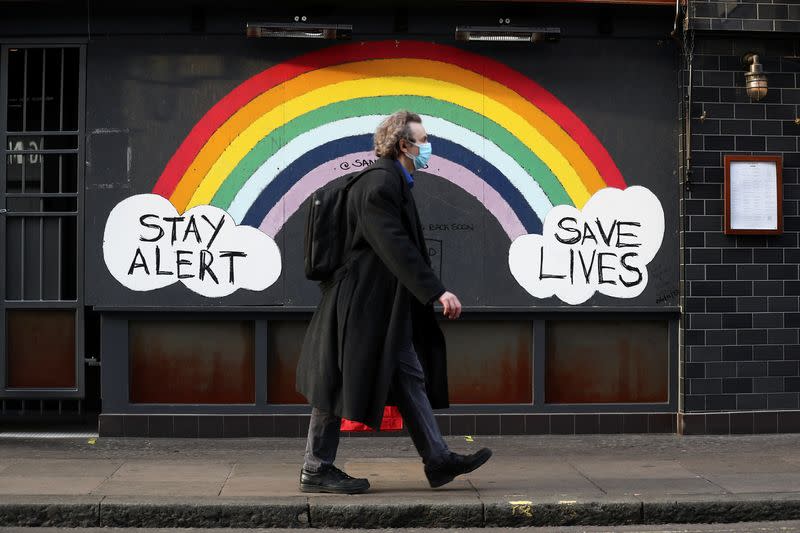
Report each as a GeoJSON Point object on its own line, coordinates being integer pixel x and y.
{"type": "Point", "coordinates": [424, 155]}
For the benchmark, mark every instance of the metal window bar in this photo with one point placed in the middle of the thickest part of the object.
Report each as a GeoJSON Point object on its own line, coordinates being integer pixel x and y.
{"type": "Point", "coordinates": [24, 98]}
{"type": "Point", "coordinates": [55, 151]}
{"type": "Point", "coordinates": [62, 256]}
{"type": "Point", "coordinates": [28, 214]}
{"type": "Point", "coordinates": [41, 181]}
{"type": "Point", "coordinates": [61, 103]}
{"type": "Point", "coordinates": [44, 73]}
{"type": "Point", "coordinates": [26, 230]}
{"type": "Point", "coordinates": [41, 248]}
{"type": "Point", "coordinates": [41, 178]}
{"type": "Point", "coordinates": [60, 251]}
{"type": "Point", "coordinates": [42, 194]}
{"type": "Point", "coordinates": [22, 260]}
{"type": "Point", "coordinates": [40, 133]}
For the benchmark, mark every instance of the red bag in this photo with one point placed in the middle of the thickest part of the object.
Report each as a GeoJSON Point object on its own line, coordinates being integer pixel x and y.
{"type": "Point", "coordinates": [392, 421]}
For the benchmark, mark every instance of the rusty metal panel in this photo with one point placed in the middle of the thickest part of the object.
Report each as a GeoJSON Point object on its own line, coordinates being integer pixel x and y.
{"type": "Point", "coordinates": [41, 348]}
{"type": "Point", "coordinates": [489, 362]}
{"type": "Point", "coordinates": [192, 361]}
{"type": "Point", "coordinates": [284, 341]}
{"type": "Point", "coordinates": [607, 361]}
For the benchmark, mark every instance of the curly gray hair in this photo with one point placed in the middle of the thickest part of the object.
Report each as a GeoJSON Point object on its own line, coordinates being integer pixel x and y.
{"type": "Point", "coordinates": [391, 130]}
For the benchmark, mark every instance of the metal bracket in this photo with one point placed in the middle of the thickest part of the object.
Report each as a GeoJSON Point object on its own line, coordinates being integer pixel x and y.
{"type": "Point", "coordinates": [687, 183]}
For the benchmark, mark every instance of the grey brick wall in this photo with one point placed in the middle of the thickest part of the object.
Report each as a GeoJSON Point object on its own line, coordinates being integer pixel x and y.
{"type": "Point", "coordinates": [746, 15]}
{"type": "Point", "coordinates": [741, 319]}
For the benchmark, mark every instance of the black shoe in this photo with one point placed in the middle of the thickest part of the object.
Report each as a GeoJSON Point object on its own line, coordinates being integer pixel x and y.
{"type": "Point", "coordinates": [454, 465]}
{"type": "Point", "coordinates": [331, 479]}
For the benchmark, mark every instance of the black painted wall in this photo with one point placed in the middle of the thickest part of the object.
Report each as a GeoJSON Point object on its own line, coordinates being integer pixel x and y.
{"type": "Point", "coordinates": [146, 94]}
{"type": "Point", "coordinates": [741, 293]}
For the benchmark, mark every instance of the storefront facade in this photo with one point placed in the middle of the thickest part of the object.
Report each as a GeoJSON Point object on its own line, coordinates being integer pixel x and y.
{"type": "Point", "coordinates": [158, 163]}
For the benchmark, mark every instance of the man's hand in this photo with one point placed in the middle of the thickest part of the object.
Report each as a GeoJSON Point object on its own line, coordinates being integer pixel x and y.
{"type": "Point", "coordinates": [452, 307]}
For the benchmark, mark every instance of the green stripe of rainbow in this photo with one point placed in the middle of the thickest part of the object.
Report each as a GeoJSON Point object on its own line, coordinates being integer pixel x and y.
{"type": "Point", "coordinates": [270, 144]}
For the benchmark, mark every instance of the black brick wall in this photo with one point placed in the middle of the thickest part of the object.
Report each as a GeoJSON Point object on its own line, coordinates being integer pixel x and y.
{"type": "Point", "coordinates": [741, 320]}
{"type": "Point", "coordinates": [746, 15]}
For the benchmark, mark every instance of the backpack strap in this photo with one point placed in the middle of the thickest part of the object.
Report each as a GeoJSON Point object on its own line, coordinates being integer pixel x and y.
{"type": "Point", "coordinates": [340, 272]}
{"type": "Point", "coordinates": [357, 177]}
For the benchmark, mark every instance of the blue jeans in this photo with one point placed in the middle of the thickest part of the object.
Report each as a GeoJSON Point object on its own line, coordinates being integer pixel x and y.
{"type": "Point", "coordinates": [415, 408]}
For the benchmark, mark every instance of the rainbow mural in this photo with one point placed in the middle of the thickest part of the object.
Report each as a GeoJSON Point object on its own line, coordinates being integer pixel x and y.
{"type": "Point", "coordinates": [267, 145]}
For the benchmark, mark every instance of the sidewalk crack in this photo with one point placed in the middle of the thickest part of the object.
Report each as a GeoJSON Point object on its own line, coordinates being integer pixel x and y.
{"type": "Point", "coordinates": [107, 478]}
{"type": "Point", "coordinates": [100, 511]}
{"type": "Point", "coordinates": [704, 478]}
{"type": "Point", "coordinates": [483, 505]}
{"type": "Point", "coordinates": [584, 476]}
{"type": "Point", "coordinates": [121, 464]}
{"type": "Point", "coordinates": [222, 487]}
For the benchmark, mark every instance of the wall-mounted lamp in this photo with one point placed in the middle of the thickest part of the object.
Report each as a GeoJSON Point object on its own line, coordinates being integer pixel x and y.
{"type": "Point", "coordinates": [755, 79]}
{"type": "Point", "coordinates": [300, 30]}
{"type": "Point", "coordinates": [506, 34]}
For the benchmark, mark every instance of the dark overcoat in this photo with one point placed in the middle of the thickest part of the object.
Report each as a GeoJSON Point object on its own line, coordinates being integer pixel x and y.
{"type": "Point", "coordinates": [350, 349]}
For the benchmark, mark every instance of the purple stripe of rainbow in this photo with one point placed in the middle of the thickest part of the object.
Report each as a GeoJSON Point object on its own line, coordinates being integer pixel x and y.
{"type": "Point", "coordinates": [446, 169]}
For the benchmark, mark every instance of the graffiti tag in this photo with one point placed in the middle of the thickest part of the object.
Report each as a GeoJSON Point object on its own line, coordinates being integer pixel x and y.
{"type": "Point", "coordinates": [451, 227]}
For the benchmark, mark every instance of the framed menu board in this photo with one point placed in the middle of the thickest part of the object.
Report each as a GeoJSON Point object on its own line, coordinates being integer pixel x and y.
{"type": "Point", "coordinates": [753, 194]}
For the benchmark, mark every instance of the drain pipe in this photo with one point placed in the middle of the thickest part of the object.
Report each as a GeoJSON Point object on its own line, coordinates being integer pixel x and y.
{"type": "Point", "coordinates": [687, 52]}
{"type": "Point", "coordinates": [687, 101]}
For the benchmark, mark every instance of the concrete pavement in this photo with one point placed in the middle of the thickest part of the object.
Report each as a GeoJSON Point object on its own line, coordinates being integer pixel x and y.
{"type": "Point", "coordinates": [790, 526]}
{"type": "Point", "coordinates": [531, 480]}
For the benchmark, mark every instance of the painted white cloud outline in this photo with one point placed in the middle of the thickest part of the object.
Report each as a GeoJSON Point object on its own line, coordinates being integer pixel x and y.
{"type": "Point", "coordinates": [533, 259]}
{"type": "Point", "coordinates": [124, 231]}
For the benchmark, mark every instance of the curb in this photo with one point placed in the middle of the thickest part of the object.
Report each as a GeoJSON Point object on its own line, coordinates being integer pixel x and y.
{"type": "Point", "coordinates": [298, 512]}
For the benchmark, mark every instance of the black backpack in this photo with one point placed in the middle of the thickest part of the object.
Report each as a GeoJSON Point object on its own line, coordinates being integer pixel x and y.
{"type": "Point", "coordinates": [326, 228]}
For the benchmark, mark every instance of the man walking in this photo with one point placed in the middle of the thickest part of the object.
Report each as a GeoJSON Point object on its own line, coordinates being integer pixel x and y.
{"type": "Point", "coordinates": [374, 339]}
